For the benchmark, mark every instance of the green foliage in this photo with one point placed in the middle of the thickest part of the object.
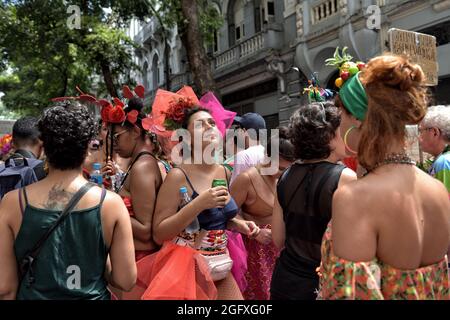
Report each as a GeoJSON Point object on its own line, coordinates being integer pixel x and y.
{"type": "Point", "coordinates": [41, 58]}
{"type": "Point", "coordinates": [170, 14]}
{"type": "Point", "coordinates": [171, 125]}
{"type": "Point", "coordinates": [210, 22]}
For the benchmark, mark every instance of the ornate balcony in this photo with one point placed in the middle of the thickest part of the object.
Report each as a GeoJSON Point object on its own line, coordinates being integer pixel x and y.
{"type": "Point", "coordinates": [177, 81]}
{"type": "Point", "coordinates": [265, 40]}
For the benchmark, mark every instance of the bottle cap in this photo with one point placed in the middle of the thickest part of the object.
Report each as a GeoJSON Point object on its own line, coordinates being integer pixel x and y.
{"type": "Point", "coordinates": [183, 190]}
{"type": "Point", "coordinates": [97, 166]}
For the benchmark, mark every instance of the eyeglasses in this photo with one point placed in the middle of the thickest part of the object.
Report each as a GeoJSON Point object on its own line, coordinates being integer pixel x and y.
{"type": "Point", "coordinates": [424, 129]}
{"type": "Point", "coordinates": [117, 135]}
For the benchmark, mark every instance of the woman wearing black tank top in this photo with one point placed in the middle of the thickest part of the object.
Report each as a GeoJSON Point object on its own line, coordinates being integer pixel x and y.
{"type": "Point", "coordinates": [142, 180]}
{"type": "Point", "coordinates": [303, 204]}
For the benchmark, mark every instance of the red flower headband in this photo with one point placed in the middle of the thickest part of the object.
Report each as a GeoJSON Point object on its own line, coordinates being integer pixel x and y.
{"type": "Point", "coordinates": [111, 113]}
{"type": "Point", "coordinates": [115, 113]}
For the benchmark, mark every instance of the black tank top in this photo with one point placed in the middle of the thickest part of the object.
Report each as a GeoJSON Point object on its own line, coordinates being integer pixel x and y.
{"type": "Point", "coordinates": [305, 193]}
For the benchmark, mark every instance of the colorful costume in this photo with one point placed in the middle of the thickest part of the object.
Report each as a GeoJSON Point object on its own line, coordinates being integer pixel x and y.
{"type": "Point", "coordinates": [375, 280]}
{"type": "Point", "coordinates": [440, 169]}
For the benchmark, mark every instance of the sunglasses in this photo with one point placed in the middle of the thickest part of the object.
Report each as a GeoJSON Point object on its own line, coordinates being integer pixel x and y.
{"type": "Point", "coordinates": [116, 136]}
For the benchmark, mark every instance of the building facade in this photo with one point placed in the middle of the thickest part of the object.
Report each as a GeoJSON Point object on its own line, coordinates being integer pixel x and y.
{"type": "Point", "coordinates": [363, 26]}
{"type": "Point", "coordinates": [266, 49]}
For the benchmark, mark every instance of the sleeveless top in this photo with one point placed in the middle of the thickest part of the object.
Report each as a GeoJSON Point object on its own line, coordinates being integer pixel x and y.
{"type": "Point", "coordinates": [72, 261]}
{"type": "Point", "coordinates": [214, 218]}
{"type": "Point", "coordinates": [305, 193]}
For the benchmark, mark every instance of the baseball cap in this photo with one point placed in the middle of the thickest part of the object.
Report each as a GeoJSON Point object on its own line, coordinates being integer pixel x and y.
{"type": "Point", "coordinates": [251, 121]}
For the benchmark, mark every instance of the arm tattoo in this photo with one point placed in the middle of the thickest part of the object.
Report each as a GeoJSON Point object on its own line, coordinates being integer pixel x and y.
{"type": "Point", "coordinates": [58, 198]}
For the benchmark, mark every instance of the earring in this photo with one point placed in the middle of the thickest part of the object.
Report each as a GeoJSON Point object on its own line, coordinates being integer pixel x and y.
{"type": "Point", "coordinates": [345, 140]}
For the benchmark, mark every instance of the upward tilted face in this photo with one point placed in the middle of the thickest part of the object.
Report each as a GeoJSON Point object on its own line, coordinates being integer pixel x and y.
{"type": "Point", "coordinates": [202, 126]}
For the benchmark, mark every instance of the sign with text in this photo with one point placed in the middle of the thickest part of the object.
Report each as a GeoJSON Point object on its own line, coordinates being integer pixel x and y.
{"type": "Point", "coordinates": [420, 47]}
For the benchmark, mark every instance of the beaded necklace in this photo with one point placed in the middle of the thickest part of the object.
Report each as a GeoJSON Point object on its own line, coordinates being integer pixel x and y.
{"type": "Point", "coordinates": [394, 158]}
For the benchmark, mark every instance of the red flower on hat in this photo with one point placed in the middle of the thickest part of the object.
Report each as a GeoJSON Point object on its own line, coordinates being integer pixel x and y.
{"type": "Point", "coordinates": [132, 116]}
{"type": "Point", "coordinates": [176, 109]}
{"type": "Point", "coordinates": [148, 124]}
{"type": "Point", "coordinates": [106, 109]}
{"type": "Point", "coordinates": [127, 93]}
{"type": "Point", "coordinates": [116, 115]}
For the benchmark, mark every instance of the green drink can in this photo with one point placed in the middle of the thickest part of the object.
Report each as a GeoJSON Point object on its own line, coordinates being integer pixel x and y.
{"type": "Point", "coordinates": [219, 183]}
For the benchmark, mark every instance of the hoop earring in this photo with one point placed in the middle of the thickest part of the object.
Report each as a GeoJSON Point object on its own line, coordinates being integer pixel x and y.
{"type": "Point", "coordinates": [345, 140]}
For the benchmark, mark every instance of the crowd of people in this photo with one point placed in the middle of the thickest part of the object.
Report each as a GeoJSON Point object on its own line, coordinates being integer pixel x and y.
{"type": "Point", "coordinates": [323, 225]}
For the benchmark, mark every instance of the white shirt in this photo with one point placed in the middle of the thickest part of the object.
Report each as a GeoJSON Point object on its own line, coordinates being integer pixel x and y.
{"type": "Point", "coordinates": [247, 159]}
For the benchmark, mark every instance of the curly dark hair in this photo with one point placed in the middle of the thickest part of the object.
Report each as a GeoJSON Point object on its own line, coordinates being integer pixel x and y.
{"type": "Point", "coordinates": [189, 112]}
{"type": "Point", "coordinates": [66, 130]}
{"type": "Point", "coordinates": [312, 127]}
{"type": "Point", "coordinates": [286, 148]}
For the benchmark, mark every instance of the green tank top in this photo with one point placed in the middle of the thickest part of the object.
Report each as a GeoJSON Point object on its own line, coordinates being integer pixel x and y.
{"type": "Point", "coordinates": [72, 261]}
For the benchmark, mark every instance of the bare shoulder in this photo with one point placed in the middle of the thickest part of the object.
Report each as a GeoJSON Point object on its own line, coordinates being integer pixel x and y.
{"type": "Point", "coordinates": [433, 190]}
{"type": "Point", "coordinates": [9, 204]}
{"type": "Point", "coordinates": [113, 207]}
{"type": "Point", "coordinates": [354, 236]}
{"type": "Point", "coordinates": [347, 193]}
{"type": "Point", "coordinates": [243, 178]}
{"type": "Point", "coordinates": [351, 200]}
{"type": "Point", "coordinates": [145, 163]}
{"type": "Point", "coordinates": [175, 175]}
{"type": "Point", "coordinates": [347, 176]}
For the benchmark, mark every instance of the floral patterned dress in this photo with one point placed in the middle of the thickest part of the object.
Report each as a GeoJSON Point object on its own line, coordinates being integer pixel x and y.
{"type": "Point", "coordinates": [375, 280]}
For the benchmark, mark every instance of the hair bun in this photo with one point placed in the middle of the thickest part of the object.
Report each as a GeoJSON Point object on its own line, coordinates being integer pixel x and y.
{"type": "Point", "coordinates": [407, 75]}
{"type": "Point", "coordinates": [284, 132]}
{"type": "Point", "coordinates": [135, 104]}
{"type": "Point", "coordinates": [394, 71]}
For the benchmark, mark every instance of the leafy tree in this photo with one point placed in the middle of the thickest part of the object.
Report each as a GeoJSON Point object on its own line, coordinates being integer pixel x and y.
{"type": "Point", "coordinates": [41, 57]}
{"type": "Point", "coordinates": [196, 21]}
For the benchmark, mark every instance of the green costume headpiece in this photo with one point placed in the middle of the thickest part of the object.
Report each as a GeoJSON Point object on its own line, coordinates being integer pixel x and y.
{"type": "Point", "coordinates": [352, 92]}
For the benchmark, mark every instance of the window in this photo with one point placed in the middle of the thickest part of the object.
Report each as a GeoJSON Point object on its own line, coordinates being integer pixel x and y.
{"type": "Point", "coordinates": [155, 72]}
{"type": "Point", "coordinates": [250, 93]}
{"type": "Point", "coordinates": [323, 11]}
{"type": "Point", "coordinates": [238, 11]}
{"type": "Point", "coordinates": [270, 8]}
{"type": "Point", "coordinates": [267, 12]}
{"type": "Point", "coordinates": [441, 31]}
{"type": "Point", "coordinates": [216, 42]}
{"type": "Point", "coordinates": [145, 76]}
{"type": "Point", "coordinates": [272, 122]}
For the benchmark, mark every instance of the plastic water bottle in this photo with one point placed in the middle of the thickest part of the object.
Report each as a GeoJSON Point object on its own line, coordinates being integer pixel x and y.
{"type": "Point", "coordinates": [194, 226]}
{"type": "Point", "coordinates": [96, 175]}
